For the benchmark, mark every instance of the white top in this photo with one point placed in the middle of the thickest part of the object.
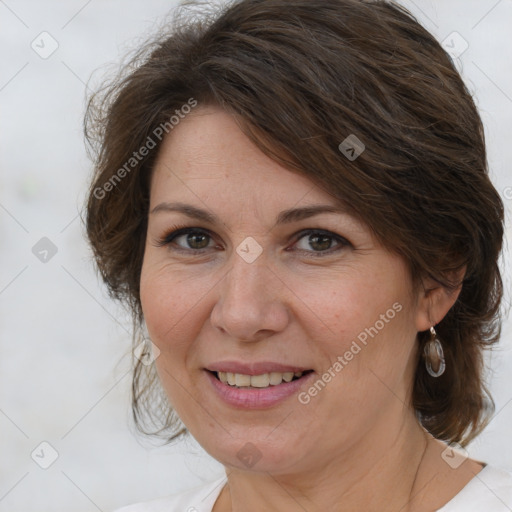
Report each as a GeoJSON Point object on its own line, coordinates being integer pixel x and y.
{"type": "Point", "coordinates": [489, 491]}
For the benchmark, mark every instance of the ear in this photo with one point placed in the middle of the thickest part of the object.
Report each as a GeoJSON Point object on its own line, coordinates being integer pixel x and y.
{"type": "Point", "coordinates": [435, 300]}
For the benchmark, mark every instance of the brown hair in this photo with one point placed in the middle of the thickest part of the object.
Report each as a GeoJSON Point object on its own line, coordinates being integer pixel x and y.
{"type": "Point", "coordinates": [301, 76]}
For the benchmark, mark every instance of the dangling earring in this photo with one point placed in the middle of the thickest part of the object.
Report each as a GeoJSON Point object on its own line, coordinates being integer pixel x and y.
{"type": "Point", "coordinates": [434, 354]}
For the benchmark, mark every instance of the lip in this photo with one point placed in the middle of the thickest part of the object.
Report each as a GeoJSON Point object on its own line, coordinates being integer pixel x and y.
{"type": "Point", "coordinates": [257, 398]}
{"type": "Point", "coordinates": [256, 368]}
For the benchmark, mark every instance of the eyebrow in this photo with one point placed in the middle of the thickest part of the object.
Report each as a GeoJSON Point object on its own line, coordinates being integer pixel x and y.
{"type": "Point", "coordinates": [284, 217]}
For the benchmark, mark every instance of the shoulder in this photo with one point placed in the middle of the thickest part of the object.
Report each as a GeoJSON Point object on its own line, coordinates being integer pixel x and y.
{"type": "Point", "coordinates": [198, 499]}
{"type": "Point", "coordinates": [489, 490]}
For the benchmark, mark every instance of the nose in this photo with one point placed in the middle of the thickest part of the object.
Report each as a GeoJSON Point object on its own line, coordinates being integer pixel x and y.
{"type": "Point", "coordinates": [251, 302]}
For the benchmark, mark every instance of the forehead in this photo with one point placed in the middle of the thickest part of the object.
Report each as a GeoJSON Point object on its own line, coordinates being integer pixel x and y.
{"type": "Point", "coordinates": [206, 162]}
{"type": "Point", "coordinates": [207, 151]}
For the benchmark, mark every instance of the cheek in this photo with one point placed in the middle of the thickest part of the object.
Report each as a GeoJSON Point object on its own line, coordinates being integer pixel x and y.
{"type": "Point", "coordinates": [168, 302]}
{"type": "Point", "coordinates": [366, 318]}
{"type": "Point", "coordinates": [168, 306]}
{"type": "Point", "coordinates": [355, 300]}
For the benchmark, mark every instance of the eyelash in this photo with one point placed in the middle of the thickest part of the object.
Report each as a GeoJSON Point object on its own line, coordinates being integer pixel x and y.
{"type": "Point", "coordinates": [177, 231]}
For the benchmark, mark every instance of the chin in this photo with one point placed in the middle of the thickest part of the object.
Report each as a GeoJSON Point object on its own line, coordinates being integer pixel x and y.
{"type": "Point", "coordinates": [254, 451]}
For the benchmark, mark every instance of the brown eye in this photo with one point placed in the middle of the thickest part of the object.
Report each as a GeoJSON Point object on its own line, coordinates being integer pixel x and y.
{"type": "Point", "coordinates": [192, 239]}
{"type": "Point", "coordinates": [197, 240]}
{"type": "Point", "coordinates": [318, 242]}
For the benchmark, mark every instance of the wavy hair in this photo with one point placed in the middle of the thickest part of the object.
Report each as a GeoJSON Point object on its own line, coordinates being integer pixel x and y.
{"type": "Point", "coordinates": [301, 76]}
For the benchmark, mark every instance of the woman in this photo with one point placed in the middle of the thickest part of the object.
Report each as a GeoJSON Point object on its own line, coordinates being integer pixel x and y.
{"type": "Point", "coordinates": [293, 199]}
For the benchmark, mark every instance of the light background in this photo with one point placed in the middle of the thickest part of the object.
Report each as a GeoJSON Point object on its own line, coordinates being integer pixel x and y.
{"type": "Point", "coordinates": [64, 360]}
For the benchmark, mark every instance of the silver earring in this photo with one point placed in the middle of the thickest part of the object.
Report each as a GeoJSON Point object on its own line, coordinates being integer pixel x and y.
{"type": "Point", "coordinates": [434, 353]}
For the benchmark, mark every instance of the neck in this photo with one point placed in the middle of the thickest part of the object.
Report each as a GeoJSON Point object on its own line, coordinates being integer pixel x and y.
{"type": "Point", "coordinates": [379, 473]}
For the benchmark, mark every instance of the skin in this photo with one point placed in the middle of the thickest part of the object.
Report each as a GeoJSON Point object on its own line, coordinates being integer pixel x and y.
{"type": "Point", "coordinates": [357, 444]}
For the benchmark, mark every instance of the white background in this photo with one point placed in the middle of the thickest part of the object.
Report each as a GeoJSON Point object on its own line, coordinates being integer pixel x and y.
{"type": "Point", "coordinates": [64, 364]}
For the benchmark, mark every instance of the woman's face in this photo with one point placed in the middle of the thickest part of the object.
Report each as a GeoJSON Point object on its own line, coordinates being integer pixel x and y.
{"type": "Point", "coordinates": [266, 286]}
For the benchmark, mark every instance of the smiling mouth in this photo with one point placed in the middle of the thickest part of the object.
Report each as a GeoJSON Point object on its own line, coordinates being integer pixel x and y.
{"type": "Point", "coordinates": [264, 380]}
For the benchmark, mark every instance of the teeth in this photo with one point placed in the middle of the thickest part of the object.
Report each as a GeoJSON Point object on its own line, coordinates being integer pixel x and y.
{"type": "Point", "coordinates": [242, 380]}
{"type": "Point", "coordinates": [257, 381]}
{"type": "Point", "coordinates": [288, 376]}
{"type": "Point", "coordinates": [275, 378]}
